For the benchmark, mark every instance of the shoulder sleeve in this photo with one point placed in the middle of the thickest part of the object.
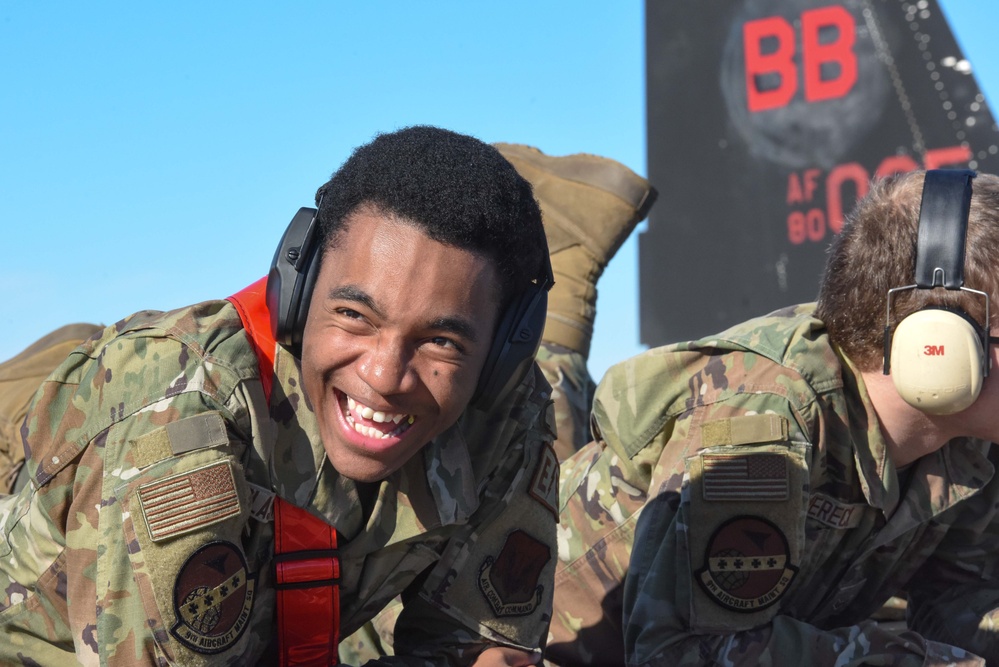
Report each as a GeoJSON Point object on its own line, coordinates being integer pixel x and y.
{"type": "Point", "coordinates": [661, 623]}
{"type": "Point", "coordinates": [136, 476]}
{"type": "Point", "coordinates": [719, 546]}
{"type": "Point", "coordinates": [494, 580]}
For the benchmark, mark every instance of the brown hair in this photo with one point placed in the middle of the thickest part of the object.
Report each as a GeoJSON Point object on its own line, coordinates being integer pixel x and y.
{"type": "Point", "coordinates": [876, 251]}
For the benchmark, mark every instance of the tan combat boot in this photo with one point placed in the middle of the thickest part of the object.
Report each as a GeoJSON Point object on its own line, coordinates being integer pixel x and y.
{"type": "Point", "coordinates": [589, 205]}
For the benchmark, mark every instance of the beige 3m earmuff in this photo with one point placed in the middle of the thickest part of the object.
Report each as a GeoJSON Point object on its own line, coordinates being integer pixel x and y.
{"type": "Point", "coordinates": [936, 361]}
{"type": "Point", "coordinates": [938, 357]}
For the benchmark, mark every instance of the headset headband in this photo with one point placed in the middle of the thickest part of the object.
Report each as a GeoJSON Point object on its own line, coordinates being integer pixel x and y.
{"type": "Point", "coordinates": [943, 228]}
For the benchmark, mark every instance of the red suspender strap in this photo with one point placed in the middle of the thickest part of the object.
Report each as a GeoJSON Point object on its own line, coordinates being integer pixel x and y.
{"type": "Point", "coordinates": [306, 561]}
{"type": "Point", "coordinates": [251, 303]}
{"type": "Point", "coordinates": [307, 568]}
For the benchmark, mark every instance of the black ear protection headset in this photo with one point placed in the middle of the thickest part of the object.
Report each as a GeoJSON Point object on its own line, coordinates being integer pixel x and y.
{"type": "Point", "coordinates": [292, 279]}
{"type": "Point", "coordinates": [938, 357]}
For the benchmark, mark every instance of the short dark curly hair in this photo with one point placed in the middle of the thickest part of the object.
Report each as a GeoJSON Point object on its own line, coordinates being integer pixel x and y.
{"type": "Point", "coordinates": [457, 189]}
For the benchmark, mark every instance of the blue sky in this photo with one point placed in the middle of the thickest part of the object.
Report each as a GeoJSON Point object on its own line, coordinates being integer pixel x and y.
{"type": "Point", "coordinates": [154, 152]}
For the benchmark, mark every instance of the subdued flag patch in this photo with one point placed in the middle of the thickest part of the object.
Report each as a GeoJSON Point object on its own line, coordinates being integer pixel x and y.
{"type": "Point", "coordinates": [188, 501]}
{"type": "Point", "coordinates": [748, 477]}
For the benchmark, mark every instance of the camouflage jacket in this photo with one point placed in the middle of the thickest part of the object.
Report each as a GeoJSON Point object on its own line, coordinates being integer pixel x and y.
{"type": "Point", "coordinates": [741, 489]}
{"type": "Point", "coordinates": [154, 458]}
{"type": "Point", "coordinates": [572, 396]}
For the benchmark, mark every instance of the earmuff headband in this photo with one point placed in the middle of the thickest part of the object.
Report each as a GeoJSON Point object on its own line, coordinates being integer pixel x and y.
{"type": "Point", "coordinates": [943, 228]}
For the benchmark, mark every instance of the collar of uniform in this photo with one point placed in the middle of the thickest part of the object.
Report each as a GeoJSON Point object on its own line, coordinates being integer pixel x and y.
{"type": "Point", "coordinates": [426, 493]}
{"type": "Point", "coordinates": [877, 474]}
{"type": "Point", "coordinates": [289, 434]}
{"type": "Point", "coordinates": [451, 476]}
{"type": "Point", "coordinates": [960, 469]}
{"type": "Point", "coordinates": [939, 481]}
{"type": "Point", "coordinates": [461, 461]}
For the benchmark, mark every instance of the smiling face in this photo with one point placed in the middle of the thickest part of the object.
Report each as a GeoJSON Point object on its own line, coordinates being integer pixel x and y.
{"type": "Point", "coordinates": [398, 330]}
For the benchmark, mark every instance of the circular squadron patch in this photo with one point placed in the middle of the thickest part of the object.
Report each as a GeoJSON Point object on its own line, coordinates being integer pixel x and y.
{"type": "Point", "coordinates": [747, 564]}
{"type": "Point", "coordinates": [213, 597]}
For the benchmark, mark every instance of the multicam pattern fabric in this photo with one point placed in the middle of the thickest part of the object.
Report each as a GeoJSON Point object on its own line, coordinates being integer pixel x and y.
{"type": "Point", "coordinates": [102, 563]}
{"type": "Point", "coordinates": [824, 527]}
{"type": "Point", "coordinates": [571, 394]}
{"type": "Point", "coordinates": [19, 378]}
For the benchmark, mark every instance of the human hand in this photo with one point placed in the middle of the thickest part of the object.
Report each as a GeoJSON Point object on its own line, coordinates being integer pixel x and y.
{"type": "Point", "coordinates": [503, 656]}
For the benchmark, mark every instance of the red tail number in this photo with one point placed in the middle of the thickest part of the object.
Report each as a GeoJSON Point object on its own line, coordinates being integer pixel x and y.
{"type": "Point", "coordinates": [816, 52]}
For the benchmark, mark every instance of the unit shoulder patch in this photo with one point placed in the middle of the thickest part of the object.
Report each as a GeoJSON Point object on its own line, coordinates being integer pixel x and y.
{"type": "Point", "coordinates": [213, 598]}
{"type": "Point", "coordinates": [509, 581]}
{"type": "Point", "coordinates": [747, 565]}
{"type": "Point", "coordinates": [745, 508]}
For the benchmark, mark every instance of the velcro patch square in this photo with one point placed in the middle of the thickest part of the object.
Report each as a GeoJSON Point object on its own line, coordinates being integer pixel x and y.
{"type": "Point", "coordinates": [188, 501]}
{"type": "Point", "coordinates": [544, 483]}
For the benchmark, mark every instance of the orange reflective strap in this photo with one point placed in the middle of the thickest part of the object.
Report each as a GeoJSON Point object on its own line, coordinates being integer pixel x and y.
{"type": "Point", "coordinates": [306, 561]}
{"type": "Point", "coordinates": [251, 304]}
{"type": "Point", "coordinates": [307, 574]}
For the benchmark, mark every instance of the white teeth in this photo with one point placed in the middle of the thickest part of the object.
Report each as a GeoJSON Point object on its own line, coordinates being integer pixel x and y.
{"type": "Point", "coordinates": [380, 417]}
{"type": "Point", "coordinates": [371, 432]}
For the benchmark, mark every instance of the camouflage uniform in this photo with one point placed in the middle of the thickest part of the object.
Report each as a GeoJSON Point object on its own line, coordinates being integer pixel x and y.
{"type": "Point", "coordinates": [572, 394]}
{"type": "Point", "coordinates": [742, 483]}
{"type": "Point", "coordinates": [19, 379]}
{"type": "Point", "coordinates": [170, 405]}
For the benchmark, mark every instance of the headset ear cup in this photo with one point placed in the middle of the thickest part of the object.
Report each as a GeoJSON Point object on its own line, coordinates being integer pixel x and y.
{"type": "Point", "coordinates": [937, 361]}
{"type": "Point", "coordinates": [310, 272]}
{"type": "Point", "coordinates": [514, 348]}
{"type": "Point", "coordinates": [290, 280]}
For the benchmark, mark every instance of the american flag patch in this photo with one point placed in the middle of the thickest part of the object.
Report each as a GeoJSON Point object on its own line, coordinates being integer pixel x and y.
{"type": "Point", "coordinates": [747, 477]}
{"type": "Point", "coordinates": [181, 503]}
